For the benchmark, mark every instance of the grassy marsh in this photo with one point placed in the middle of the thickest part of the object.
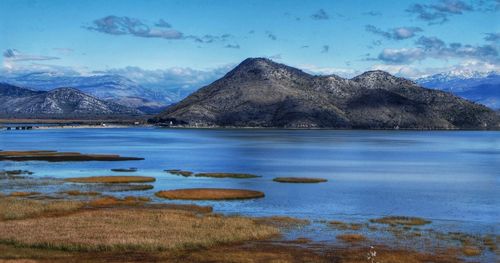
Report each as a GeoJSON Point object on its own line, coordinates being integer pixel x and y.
{"type": "Point", "coordinates": [305, 180]}
{"type": "Point", "coordinates": [209, 194]}
{"type": "Point", "coordinates": [111, 201]}
{"type": "Point", "coordinates": [351, 238]}
{"type": "Point", "coordinates": [54, 156]}
{"type": "Point", "coordinates": [132, 229]}
{"type": "Point", "coordinates": [345, 226]}
{"type": "Point", "coordinates": [15, 208]}
{"type": "Point", "coordinates": [401, 220]}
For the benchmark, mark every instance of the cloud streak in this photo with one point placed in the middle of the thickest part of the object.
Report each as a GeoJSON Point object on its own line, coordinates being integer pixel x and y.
{"type": "Point", "coordinates": [493, 37]}
{"type": "Point", "coordinates": [14, 55]}
{"type": "Point", "coordinates": [398, 33]}
{"type": "Point", "coordinates": [116, 25]}
{"type": "Point", "coordinates": [439, 12]}
{"type": "Point", "coordinates": [123, 25]}
{"type": "Point", "coordinates": [433, 47]}
{"type": "Point", "coordinates": [271, 36]}
{"type": "Point", "coordinates": [325, 49]}
{"type": "Point", "coordinates": [321, 14]}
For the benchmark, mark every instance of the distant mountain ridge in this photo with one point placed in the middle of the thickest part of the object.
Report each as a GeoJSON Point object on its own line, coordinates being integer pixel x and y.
{"type": "Point", "coordinates": [113, 88]}
{"type": "Point", "coordinates": [262, 93]}
{"type": "Point", "coordinates": [481, 87]}
{"type": "Point", "coordinates": [17, 102]}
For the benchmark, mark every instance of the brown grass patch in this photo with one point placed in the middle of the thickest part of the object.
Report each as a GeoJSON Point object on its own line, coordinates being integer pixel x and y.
{"type": "Point", "coordinates": [54, 156]}
{"type": "Point", "coordinates": [132, 229]}
{"type": "Point", "coordinates": [351, 238]}
{"type": "Point", "coordinates": [110, 201]}
{"type": "Point", "coordinates": [130, 187]}
{"type": "Point", "coordinates": [182, 207]}
{"type": "Point", "coordinates": [111, 179]}
{"type": "Point", "coordinates": [227, 175]}
{"type": "Point", "coordinates": [14, 208]}
{"type": "Point", "coordinates": [305, 180]}
{"type": "Point", "coordinates": [14, 174]}
{"type": "Point", "coordinates": [401, 220]}
{"type": "Point", "coordinates": [490, 242]}
{"type": "Point", "coordinates": [80, 193]}
{"type": "Point", "coordinates": [124, 170]}
{"type": "Point", "coordinates": [179, 172]}
{"type": "Point", "coordinates": [23, 194]}
{"type": "Point", "coordinates": [345, 226]}
{"type": "Point", "coordinates": [248, 252]}
{"type": "Point", "coordinates": [283, 221]}
{"type": "Point", "coordinates": [209, 194]}
{"type": "Point", "coordinates": [471, 251]}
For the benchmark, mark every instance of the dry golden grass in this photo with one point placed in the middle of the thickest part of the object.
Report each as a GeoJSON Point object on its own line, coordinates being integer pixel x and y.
{"type": "Point", "coordinates": [80, 193]}
{"type": "Point", "coordinates": [209, 194]}
{"type": "Point", "coordinates": [345, 226]}
{"type": "Point", "coordinates": [471, 251]}
{"type": "Point", "coordinates": [54, 156]}
{"type": "Point", "coordinates": [227, 175]}
{"type": "Point", "coordinates": [112, 179]}
{"type": "Point", "coordinates": [14, 208]}
{"type": "Point", "coordinates": [132, 229]}
{"type": "Point", "coordinates": [305, 180]}
{"type": "Point", "coordinates": [351, 238]}
{"type": "Point", "coordinates": [23, 194]}
{"type": "Point", "coordinates": [401, 220]}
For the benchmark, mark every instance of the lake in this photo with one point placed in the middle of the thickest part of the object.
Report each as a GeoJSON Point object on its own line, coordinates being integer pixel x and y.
{"type": "Point", "coordinates": [449, 177]}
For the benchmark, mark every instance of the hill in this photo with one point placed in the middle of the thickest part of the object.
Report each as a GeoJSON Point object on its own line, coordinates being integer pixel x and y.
{"type": "Point", "coordinates": [262, 93]}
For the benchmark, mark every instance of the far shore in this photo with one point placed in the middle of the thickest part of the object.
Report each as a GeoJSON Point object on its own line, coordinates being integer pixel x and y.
{"type": "Point", "coordinates": [37, 124]}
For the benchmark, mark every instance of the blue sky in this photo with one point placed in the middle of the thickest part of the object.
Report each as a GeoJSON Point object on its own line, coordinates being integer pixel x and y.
{"type": "Point", "coordinates": [138, 38]}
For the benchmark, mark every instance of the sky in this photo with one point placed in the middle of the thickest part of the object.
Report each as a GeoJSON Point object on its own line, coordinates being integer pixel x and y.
{"type": "Point", "coordinates": [153, 40]}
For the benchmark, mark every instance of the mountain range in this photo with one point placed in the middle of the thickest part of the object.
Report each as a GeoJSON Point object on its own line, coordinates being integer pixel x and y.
{"type": "Point", "coordinates": [480, 87]}
{"type": "Point", "coordinates": [114, 88]}
{"type": "Point", "coordinates": [263, 93]}
{"type": "Point", "coordinates": [17, 102]}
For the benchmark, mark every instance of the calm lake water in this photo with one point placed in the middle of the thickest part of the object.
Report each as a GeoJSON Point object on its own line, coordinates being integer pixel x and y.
{"type": "Point", "coordinates": [450, 177]}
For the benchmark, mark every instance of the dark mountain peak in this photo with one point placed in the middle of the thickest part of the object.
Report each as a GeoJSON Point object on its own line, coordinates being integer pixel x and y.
{"type": "Point", "coordinates": [256, 61]}
{"type": "Point", "coordinates": [374, 74]}
{"type": "Point", "coordinates": [377, 78]}
{"type": "Point", "coordinates": [264, 69]}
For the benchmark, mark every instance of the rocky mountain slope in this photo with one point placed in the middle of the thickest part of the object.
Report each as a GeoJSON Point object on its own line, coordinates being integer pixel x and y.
{"type": "Point", "coordinates": [480, 87]}
{"type": "Point", "coordinates": [16, 102]}
{"type": "Point", "coordinates": [262, 93]}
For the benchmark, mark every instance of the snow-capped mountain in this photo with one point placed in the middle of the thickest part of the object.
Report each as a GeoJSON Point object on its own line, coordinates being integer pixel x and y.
{"type": "Point", "coordinates": [481, 87]}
